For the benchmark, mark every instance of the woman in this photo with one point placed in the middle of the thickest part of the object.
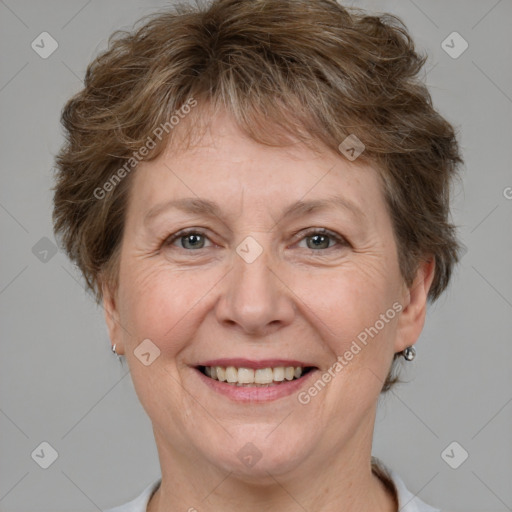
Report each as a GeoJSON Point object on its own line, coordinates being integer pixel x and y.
{"type": "Point", "coordinates": [258, 193]}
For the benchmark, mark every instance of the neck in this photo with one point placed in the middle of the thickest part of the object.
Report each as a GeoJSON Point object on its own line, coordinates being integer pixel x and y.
{"type": "Point", "coordinates": [342, 482]}
{"type": "Point", "coordinates": [378, 498]}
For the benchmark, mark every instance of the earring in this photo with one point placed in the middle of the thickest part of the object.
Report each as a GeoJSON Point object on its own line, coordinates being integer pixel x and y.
{"type": "Point", "coordinates": [114, 351]}
{"type": "Point", "coordinates": [409, 353]}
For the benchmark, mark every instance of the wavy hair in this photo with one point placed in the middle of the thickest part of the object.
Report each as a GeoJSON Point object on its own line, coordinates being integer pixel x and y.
{"type": "Point", "coordinates": [287, 70]}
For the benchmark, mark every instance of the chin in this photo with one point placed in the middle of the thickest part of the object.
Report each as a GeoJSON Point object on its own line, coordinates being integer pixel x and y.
{"type": "Point", "coordinates": [254, 453]}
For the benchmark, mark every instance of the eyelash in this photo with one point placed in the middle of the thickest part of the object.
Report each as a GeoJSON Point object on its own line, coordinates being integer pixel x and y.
{"type": "Point", "coordinates": [341, 241]}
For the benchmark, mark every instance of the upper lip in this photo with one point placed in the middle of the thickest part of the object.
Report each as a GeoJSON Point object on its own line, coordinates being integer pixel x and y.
{"type": "Point", "coordinates": [248, 363]}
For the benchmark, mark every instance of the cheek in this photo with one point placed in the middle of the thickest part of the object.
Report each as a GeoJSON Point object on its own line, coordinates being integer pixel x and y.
{"type": "Point", "coordinates": [157, 302]}
{"type": "Point", "coordinates": [354, 304]}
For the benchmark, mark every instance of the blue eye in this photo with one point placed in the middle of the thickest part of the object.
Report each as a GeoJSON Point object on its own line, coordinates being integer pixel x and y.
{"type": "Point", "coordinates": [194, 239]}
{"type": "Point", "coordinates": [319, 237]}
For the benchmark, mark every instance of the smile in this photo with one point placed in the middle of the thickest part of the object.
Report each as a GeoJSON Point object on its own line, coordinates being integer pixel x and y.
{"type": "Point", "coordinates": [250, 377]}
{"type": "Point", "coordinates": [245, 381]}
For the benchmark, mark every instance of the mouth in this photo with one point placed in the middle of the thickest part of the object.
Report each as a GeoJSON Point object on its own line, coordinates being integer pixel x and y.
{"type": "Point", "coordinates": [243, 376]}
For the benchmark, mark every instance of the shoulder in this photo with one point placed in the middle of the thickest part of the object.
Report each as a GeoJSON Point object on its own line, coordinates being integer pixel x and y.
{"type": "Point", "coordinates": [140, 503]}
{"type": "Point", "coordinates": [407, 501]}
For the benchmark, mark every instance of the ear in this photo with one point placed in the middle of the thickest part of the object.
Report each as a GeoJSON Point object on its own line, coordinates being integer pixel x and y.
{"type": "Point", "coordinates": [112, 316]}
{"type": "Point", "coordinates": [412, 317]}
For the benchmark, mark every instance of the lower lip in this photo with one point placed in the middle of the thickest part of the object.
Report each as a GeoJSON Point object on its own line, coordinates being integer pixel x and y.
{"type": "Point", "coordinates": [256, 393]}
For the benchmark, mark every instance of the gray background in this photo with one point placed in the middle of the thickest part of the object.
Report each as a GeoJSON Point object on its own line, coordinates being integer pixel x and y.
{"type": "Point", "coordinates": [60, 382]}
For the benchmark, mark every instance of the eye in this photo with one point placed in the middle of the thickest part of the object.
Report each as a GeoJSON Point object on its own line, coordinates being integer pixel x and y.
{"type": "Point", "coordinates": [191, 239]}
{"type": "Point", "coordinates": [320, 239]}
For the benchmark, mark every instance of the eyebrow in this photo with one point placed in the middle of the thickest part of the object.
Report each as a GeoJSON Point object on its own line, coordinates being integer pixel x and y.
{"type": "Point", "coordinates": [198, 206]}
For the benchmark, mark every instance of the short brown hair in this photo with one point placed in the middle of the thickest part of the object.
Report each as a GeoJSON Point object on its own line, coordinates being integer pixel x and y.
{"type": "Point", "coordinates": [308, 70]}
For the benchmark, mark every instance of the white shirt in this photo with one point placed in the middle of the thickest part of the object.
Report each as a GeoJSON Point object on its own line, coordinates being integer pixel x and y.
{"type": "Point", "coordinates": [407, 501]}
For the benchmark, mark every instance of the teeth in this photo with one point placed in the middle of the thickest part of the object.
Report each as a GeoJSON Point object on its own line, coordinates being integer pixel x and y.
{"type": "Point", "coordinates": [263, 375]}
{"type": "Point", "coordinates": [221, 373]}
{"type": "Point", "coordinates": [279, 374]}
{"type": "Point", "coordinates": [245, 376]}
{"type": "Point", "coordinates": [231, 374]}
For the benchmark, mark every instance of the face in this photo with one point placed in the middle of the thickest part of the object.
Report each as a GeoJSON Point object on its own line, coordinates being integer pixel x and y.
{"type": "Point", "coordinates": [295, 267]}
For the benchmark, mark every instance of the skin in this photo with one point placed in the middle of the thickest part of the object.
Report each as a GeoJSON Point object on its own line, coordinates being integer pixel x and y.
{"type": "Point", "coordinates": [295, 301]}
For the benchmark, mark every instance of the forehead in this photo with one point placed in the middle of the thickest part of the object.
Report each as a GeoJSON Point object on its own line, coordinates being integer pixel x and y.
{"type": "Point", "coordinates": [225, 166]}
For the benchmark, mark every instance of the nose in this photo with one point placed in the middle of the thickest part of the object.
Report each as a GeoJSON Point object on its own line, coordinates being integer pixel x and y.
{"type": "Point", "coordinates": [256, 299]}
